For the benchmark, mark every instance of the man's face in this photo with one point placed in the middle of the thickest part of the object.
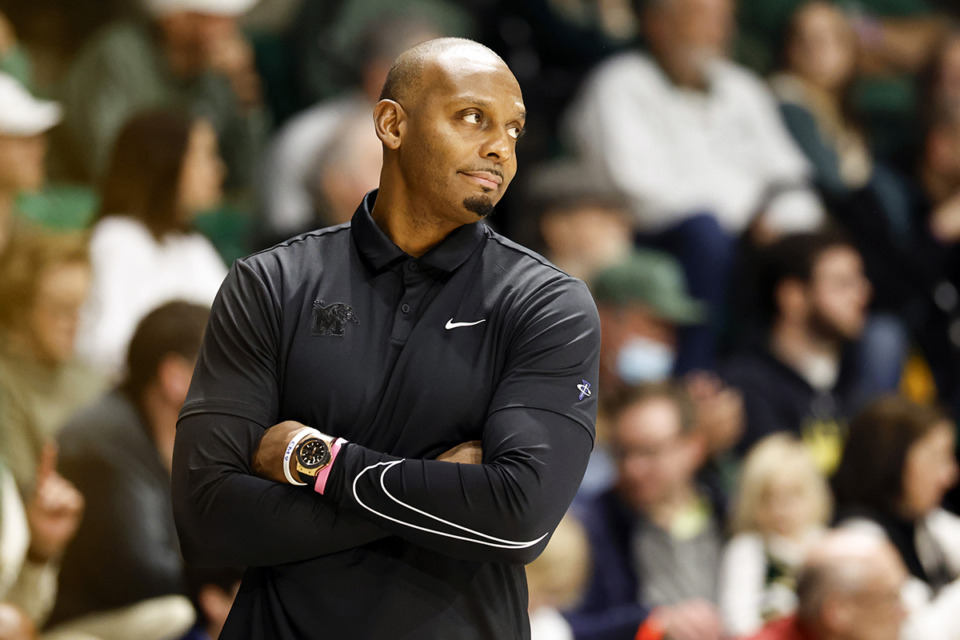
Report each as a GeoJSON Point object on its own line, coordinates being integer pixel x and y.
{"type": "Point", "coordinates": [838, 294]}
{"type": "Point", "coordinates": [929, 471]}
{"type": "Point", "coordinates": [458, 149]}
{"type": "Point", "coordinates": [55, 316]}
{"type": "Point", "coordinates": [700, 28]}
{"type": "Point", "coordinates": [22, 166]}
{"type": "Point", "coordinates": [626, 326]}
{"type": "Point", "coordinates": [823, 50]}
{"type": "Point", "coordinates": [655, 459]}
{"type": "Point", "coordinates": [197, 34]}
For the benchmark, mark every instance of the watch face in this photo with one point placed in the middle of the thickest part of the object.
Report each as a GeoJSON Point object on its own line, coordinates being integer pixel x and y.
{"type": "Point", "coordinates": [313, 453]}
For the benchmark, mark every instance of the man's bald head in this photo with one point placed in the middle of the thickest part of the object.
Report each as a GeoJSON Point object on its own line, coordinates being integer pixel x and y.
{"type": "Point", "coordinates": [851, 565]}
{"type": "Point", "coordinates": [406, 75]}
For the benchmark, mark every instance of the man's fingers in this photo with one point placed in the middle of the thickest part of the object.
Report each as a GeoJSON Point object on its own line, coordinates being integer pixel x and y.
{"type": "Point", "coordinates": [47, 466]}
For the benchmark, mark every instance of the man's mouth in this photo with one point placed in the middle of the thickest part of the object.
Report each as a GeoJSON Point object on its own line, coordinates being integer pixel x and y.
{"type": "Point", "coordinates": [486, 179]}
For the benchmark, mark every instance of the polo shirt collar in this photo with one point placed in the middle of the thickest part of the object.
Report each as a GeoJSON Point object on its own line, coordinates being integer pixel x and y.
{"type": "Point", "coordinates": [380, 252]}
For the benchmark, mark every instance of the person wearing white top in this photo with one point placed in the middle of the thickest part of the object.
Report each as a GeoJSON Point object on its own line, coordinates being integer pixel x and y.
{"type": "Point", "coordinates": [683, 130]}
{"type": "Point", "coordinates": [780, 510]}
{"type": "Point", "coordinates": [165, 169]}
{"type": "Point", "coordinates": [898, 464]}
{"type": "Point", "coordinates": [695, 144]}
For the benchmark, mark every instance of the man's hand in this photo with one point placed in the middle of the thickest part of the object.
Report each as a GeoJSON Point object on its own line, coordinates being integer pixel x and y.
{"type": "Point", "coordinates": [719, 410]}
{"type": "Point", "coordinates": [53, 512]}
{"type": "Point", "coordinates": [466, 453]}
{"type": "Point", "coordinates": [690, 620]}
{"type": "Point", "coordinates": [268, 458]}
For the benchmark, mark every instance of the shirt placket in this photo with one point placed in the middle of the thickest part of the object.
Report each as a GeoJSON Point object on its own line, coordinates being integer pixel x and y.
{"type": "Point", "coordinates": [416, 285]}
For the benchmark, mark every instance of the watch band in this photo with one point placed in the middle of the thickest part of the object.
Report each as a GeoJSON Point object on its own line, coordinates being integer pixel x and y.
{"type": "Point", "coordinates": [321, 482]}
{"type": "Point", "coordinates": [291, 447]}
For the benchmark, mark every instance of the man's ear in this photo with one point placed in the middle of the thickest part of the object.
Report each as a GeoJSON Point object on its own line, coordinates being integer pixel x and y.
{"type": "Point", "coordinates": [390, 120]}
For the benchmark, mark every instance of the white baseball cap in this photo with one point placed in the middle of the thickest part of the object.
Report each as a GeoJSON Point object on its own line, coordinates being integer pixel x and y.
{"type": "Point", "coordinates": [215, 7]}
{"type": "Point", "coordinates": [20, 113]}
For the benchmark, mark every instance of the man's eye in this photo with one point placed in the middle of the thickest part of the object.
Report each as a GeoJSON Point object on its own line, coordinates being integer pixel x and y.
{"type": "Point", "coordinates": [473, 118]}
{"type": "Point", "coordinates": [514, 132]}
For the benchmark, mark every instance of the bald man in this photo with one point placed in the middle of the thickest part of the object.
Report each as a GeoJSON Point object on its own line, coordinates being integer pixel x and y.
{"type": "Point", "coordinates": [849, 588]}
{"type": "Point", "coordinates": [389, 417]}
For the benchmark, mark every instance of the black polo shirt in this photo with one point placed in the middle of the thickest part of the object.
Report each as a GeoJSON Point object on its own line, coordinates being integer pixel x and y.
{"type": "Point", "coordinates": [479, 339]}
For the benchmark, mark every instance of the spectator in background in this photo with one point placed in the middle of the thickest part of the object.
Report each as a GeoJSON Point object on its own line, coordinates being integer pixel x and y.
{"type": "Point", "coordinates": [190, 55]}
{"type": "Point", "coordinates": [346, 170]}
{"type": "Point", "coordinates": [165, 169]}
{"type": "Point", "coordinates": [556, 579]}
{"type": "Point", "coordinates": [304, 148]}
{"type": "Point", "coordinates": [32, 538]}
{"type": "Point", "coordinates": [44, 280]}
{"type": "Point", "coordinates": [123, 574]}
{"type": "Point", "coordinates": [796, 378]}
{"type": "Point", "coordinates": [814, 89]}
{"type": "Point", "coordinates": [697, 146]}
{"type": "Point", "coordinates": [894, 41]}
{"type": "Point", "coordinates": [582, 226]}
{"type": "Point", "coordinates": [848, 589]}
{"type": "Point", "coordinates": [781, 509]}
{"type": "Point", "coordinates": [642, 301]}
{"type": "Point", "coordinates": [212, 591]}
{"type": "Point", "coordinates": [24, 122]}
{"type": "Point", "coordinates": [331, 42]}
{"type": "Point", "coordinates": [656, 537]}
{"type": "Point", "coordinates": [897, 466]}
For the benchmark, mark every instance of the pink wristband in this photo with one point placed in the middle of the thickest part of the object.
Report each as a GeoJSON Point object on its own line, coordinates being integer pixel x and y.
{"type": "Point", "coordinates": [321, 483]}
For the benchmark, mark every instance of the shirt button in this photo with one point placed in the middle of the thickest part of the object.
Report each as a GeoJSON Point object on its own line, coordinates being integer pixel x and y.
{"type": "Point", "coordinates": [405, 308]}
{"type": "Point", "coordinates": [412, 266]}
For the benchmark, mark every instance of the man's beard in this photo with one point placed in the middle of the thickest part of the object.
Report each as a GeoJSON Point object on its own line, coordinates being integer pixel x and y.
{"type": "Point", "coordinates": [827, 329]}
{"type": "Point", "coordinates": [480, 205]}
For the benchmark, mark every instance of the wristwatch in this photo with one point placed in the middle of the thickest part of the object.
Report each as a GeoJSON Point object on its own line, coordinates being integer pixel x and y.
{"type": "Point", "coordinates": [312, 455]}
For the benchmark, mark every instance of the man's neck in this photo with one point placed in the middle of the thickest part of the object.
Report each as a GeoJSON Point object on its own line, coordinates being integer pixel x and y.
{"type": "Point", "coordinates": [816, 360]}
{"type": "Point", "coordinates": [412, 228]}
{"type": "Point", "coordinates": [664, 512]}
{"type": "Point", "coordinates": [682, 70]}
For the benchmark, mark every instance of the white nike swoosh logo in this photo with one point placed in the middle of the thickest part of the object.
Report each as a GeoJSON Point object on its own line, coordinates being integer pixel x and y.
{"type": "Point", "coordinates": [453, 325]}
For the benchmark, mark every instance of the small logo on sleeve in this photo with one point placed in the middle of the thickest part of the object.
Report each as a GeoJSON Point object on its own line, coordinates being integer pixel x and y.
{"type": "Point", "coordinates": [331, 320]}
{"type": "Point", "coordinates": [584, 388]}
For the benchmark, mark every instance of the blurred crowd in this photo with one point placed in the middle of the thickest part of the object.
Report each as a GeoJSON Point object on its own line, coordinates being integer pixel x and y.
{"type": "Point", "coordinates": [763, 196]}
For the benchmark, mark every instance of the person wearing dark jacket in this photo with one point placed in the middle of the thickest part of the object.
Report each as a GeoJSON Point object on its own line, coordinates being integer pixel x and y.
{"type": "Point", "coordinates": [797, 379]}
{"type": "Point", "coordinates": [123, 573]}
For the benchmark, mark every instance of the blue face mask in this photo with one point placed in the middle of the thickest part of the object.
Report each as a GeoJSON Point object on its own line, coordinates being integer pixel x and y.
{"type": "Point", "coordinates": [643, 360]}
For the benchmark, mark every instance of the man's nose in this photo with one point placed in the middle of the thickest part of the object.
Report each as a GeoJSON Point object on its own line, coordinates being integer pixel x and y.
{"type": "Point", "coordinates": [498, 145]}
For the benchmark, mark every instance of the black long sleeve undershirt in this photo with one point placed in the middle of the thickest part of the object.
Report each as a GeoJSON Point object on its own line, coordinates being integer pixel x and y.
{"type": "Point", "coordinates": [500, 511]}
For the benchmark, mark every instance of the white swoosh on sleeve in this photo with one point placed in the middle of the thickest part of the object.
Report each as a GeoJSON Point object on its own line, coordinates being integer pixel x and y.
{"type": "Point", "coordinates": [495, 542]}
